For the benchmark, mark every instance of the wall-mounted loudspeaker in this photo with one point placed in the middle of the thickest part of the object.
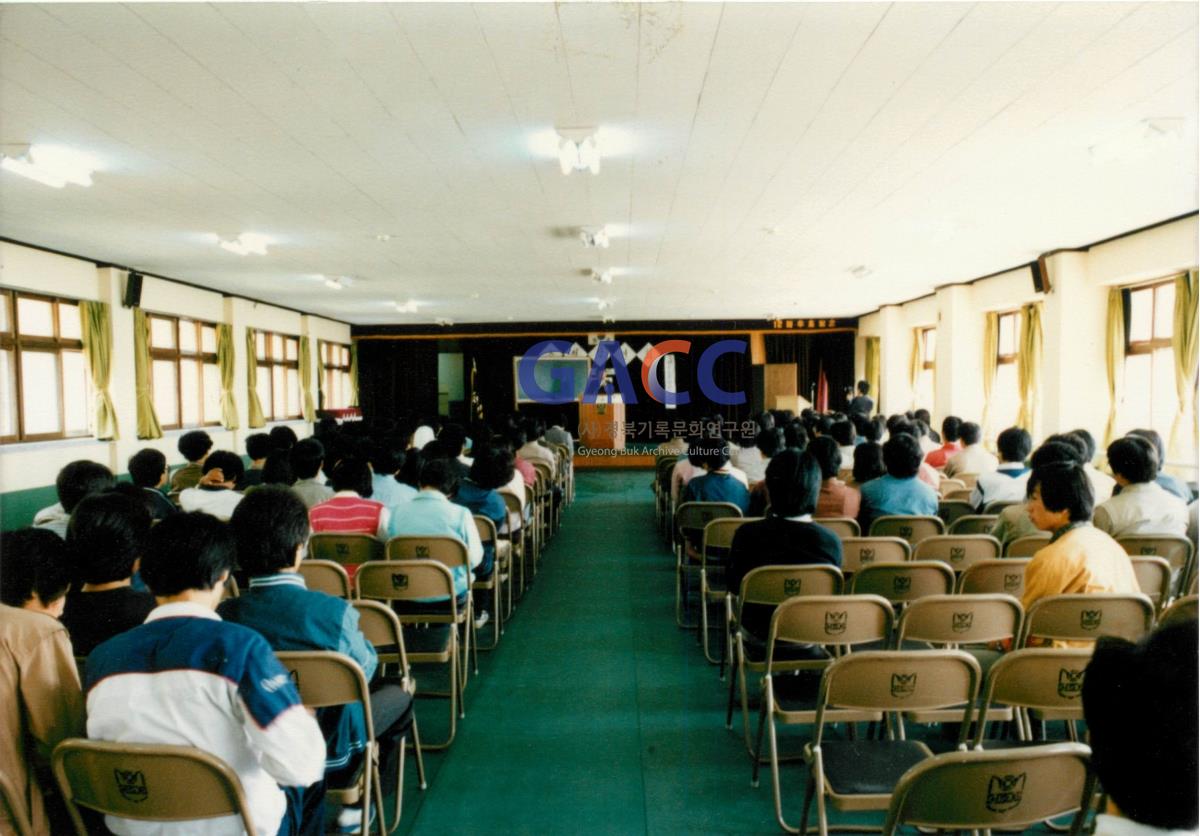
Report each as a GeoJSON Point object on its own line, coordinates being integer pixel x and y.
{"type": "Point", "coordinates": [1041, 275]}
{"type": "Point", "coordinates": [133, 290]}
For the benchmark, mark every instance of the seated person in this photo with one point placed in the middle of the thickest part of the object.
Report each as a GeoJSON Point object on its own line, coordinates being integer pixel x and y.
{"type": "Point", "coordinates": [1014, 521]}
{"type": "Point", "coordinates": [1102, 483]}
{"type": "Point", "coordinates": [950, 429]}
{"type": "Point", "coordinates": [925, 418]}
{"type": "Point", "coordinates": [277, 470]}
{"type": "Point", "coordinates": [283, 437]}
{"type": "Point", "coordinates": [868, 465]}
{"type": "Point", "coordinates": [767, 444]}
{"type": "Point", "coordinates": [75, 481]}
{"type": "Point", "coordinates": [845, 435]}
{"type": "Point", "coordinates": [148, 470]}
{"type": "Point", "coordinates": [106, 537]}
{"type": "Point", "coordinates": [271, 529]}
{"type": "Point", "coordinates": [898, 491]}
{"type": "Point", "coordinates": [788, 536]}
{"type": "Point", "coordinates": [258, 447]}
{"type": "Point", "coordinates": [1079, 558]}
{"type": "Point", "coordinates": [534, 450]}
{"type": "Point", "coordinates": [753, 460]}
{"type": "Point", "coordinates": [351, 509]}
{"type": "Point", "coordinates": [187, 678]}
{"type": "Point", "coordinates": [387, 459]}
{"type": "Point", "coordinates": [557, 433]}
{"type": "Point", "coordinates": [720, 482]}
{"type": "Point", "coordinates": [927, 473]}
{"type": "Point", "coordinates": [306, 458]}
{"type": "Point", "coordinates": [835, 499]}
{"type": "Point", "coordinates": [1142, 506]}
{"type": "Point", "coordinates": [40, 701]}
{"type": "Point", "coordinates": [491, 470]}
{"type": "Point", "coordinates": [687, 468]}
{"type": "Point", "coordinates": [518, 439]}
{"type": "Point", "coordinates": [215, 493]}
{"type": "Point", "coordinates": [1165, 480]}
{"type": "Point", "coordinates": [1139, 701]}
{"type": "Point", "coordinates": [1007, 482]}
{"type": "Point", "coordinates": [453, 439]}
{"type": "Point", "coordinates": [194, 447]}
{"type": "Point", "coordinates": [972, 458]}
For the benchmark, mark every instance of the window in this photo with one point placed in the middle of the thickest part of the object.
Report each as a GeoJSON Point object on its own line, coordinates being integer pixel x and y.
{"type": "Point", "coordinates": [184, 376]}
{"type": "Point", "coordinates": [336, 385]}
{"type": "Point", "coordinates": [923, 396]}
{"type": "Point", "coordinates": [45, 387]}
{"type": "Point", "coordinates": [1149, 399]}
{"type": "Point", "coordinates": [1006, 394]}
{"type": "Point", "coordinates": [278, 382]}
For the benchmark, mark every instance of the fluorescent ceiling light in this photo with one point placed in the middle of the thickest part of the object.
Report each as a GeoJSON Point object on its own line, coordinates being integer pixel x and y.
{"type": "Point", "coordinates": [594, 237]}
{"type": "Point", "coordinates": [334, 284]}
{"type": "Point", "coordinates": [50, 165]}
{"type": "Point", "coordinates": [578, 153]}
{"type": "Point", "coordinates": [407, 307]}
{"type": "Point", "coordinates": [605, 277]}
{"type": "Point", "coordinates": [244, 244]}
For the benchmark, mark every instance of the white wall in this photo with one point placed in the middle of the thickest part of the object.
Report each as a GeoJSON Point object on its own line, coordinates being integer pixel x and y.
{"type": "Point", "coordinates": [33, 465]}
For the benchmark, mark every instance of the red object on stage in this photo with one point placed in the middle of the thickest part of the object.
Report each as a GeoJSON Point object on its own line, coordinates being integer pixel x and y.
{"type": "Point", "coordinates": [822, 404]}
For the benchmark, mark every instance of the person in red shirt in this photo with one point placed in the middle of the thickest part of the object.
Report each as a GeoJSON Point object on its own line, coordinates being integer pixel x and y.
{"type": "Point", "coordinates": [950, 442]}
{"type": "Point", "coordinates": [351, 510]}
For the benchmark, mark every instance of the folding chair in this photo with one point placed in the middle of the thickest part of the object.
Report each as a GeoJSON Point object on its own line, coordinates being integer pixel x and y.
{"type": "Point", "coordinates": [973, 524]}
{"type": "Point", "coordinates": [544, 496]}
{"type": "Point", "coordinates": [861, 774]}
{"type": "Point", "coordinates": [715, 548]}
{"type": "Point", "coordinates": [689, 523]}
{"type": "Point", "coordinates": [901, 583]}
{"type": "Point", "coordinates": [663, 466]}
{"type": "Point", "coordinates": [969, 480]}
{"type": "Point", "coordinates": [829, 621]}
{"type": "Point", "coordinates": [146, 782]}
{"type": "Point", "coordinates": [1048, 680]}
{"type": "Point", "coordinates": [843, 527]}
{"type": "Point", "coordinates": [326, 679]}
{"type": "Point", "coordinates": [405, 582]}
{"type": "Point", "coordinates": [451, 553]}
{"type": "Point", "coordinates": [949, 485]}
{"type": "Point", "coordinates": [500, 577]}
{"type": "Point", "coordinates": [914, 529]}
{"type": "Point", "coordinates": [1184, 609]}
{"type": "Point", "coordinates": [1154, 579]}
{"type": "Point", "coordinates": [958, 551]}
{"type": "Point", "coordinates": [13, 804]}
{"type": "Point", "coordinates": [325, 576]}
{"type": "Point", "coordinates": [231, 589]}
{"type": "Point", "coordinates": [516, 541]}
{"type": "Point", "coordinates": [1176, 550]}
{"type": "Point", "coordinates": [1085, 618]}
{"type": "Point", "coordinates": [1027, 546]}
{"type": "Point", "coordinates": [951, 508]}
{"type": "Point", "coordinates": [998, 505]}
{"type": "Point", "coordinates": [859, 552]}
{"type": "Point", "coordinates": [350, 550]}
{"type": "Point", "coordinates": [1001, 789]}
{"type": "Point", "coordinates": [768, 586]}
{"type": "Point", "coordinates": [1006, 575]}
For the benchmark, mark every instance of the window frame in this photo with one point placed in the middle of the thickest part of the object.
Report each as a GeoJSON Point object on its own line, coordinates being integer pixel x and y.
{"type": "Point", "coordinates": [13, 340]}
{"type": "Point", "coordinates": [1154, 343]}
{"type": "Point", "coordinates": [177, 355]}
{"type": "Point", "coordinates": [1151, 348]}
{"type": "Point", "coordinates": [1003, 359]}
{"type": "Point", "coordinates": [330, 369]}
{"type": "Point", "coordinates": [267, 361]}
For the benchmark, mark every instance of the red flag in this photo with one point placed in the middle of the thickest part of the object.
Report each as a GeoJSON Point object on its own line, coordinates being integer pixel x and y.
{"type": "Point", "coordinates": [822, 404]}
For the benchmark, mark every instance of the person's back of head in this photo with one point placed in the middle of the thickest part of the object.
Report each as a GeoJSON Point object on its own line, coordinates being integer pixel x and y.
{"type": "Point", "coordinates": [861, 422]}
{"type": "Point", "coordinates": [277, 469]}
{"type": "Point", "coordinates": [1014, 444]}
{"type": "Point", "coordinates": [765, 421]}
{"type": "Point", "coordinates": [1063, 486]}
{"type": "Point", "coordinates": [716, 453]}
{"type": "Point", "coordinates": [258, 446]}
{"type": "Point", "coordinates": [517, 437]}
{"type": "Point", "coordinates": [410, 471]}
{"type": "Point", "coordinates": [1139, 702]}
{"type": "Point", "coordinates": [79, 479]}
{"type": "Point", "coordinates": [147, 468]}
{"type": "Point", "coordinates": [106, 536]}
{"type": "Point", "coordinates": [229, 463]}
{"type": "Point", "coordinates": [695, 451]}
{"type": "Point", "coordinates": [492, 468]}
{"type": "Point", "coordinates": [823, 424]}
{"type": "Point", "coordinates": [306, 458]}
{"type": "Point", "coordinates": [970, 433]}
{"type": "Point", "coordinates": [1156, 441]}
{"type": "Point", "coordinates": [902, 456]}
{"type": "Point", "coordinates": [873, 429]}
{"type": "Point", "coordinates": [793, 483]}
{"type": "Point", "coordinates": [269, 527]}
{"type": "Point", "coordinates": [454, 438]}
{"type": "Point", "coordinates": [843, 433]}
{"type": "Point", "coordinates": [795, 437]}
{"type": "Point", "coordinates": [352, 474]}
{"type": "Point", "coordinates": [440, 475]}
{"type": "Point", "coordinates": [283, 437]}
{"type": "Point", "coordinates": [868, 462]}
{"type": "Point", "coordinates": [1134, 459]}
{"type": "Point", "coordinates": [35, 569]}
{"type": "Point", "coordinates": [188, 552]}
{"type": "Point", "coordinates": [1088, 440]}
{"type": "Point", "coordinates": [951, 426]}
{"type": "Point", "coordinates": [923, 416]}
{"type": "Point", "coordinates": [864, 388]}
{"type": "Point", "coordinates": [534, 429]}
{"type": "Point", "coordinates": [194, 445]}
{"type": "Point", "coordinates": [1072, 441]}
{"type": "Point", "coordinates": [828, 455]}
{"type": "Point", "coordinates": [769, 442]}
{"type": "Point", "coordinates": [386, 458]}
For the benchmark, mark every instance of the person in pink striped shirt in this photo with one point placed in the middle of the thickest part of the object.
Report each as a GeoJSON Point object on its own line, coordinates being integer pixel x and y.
{"type": "Point", "coordinates": [351, 510]}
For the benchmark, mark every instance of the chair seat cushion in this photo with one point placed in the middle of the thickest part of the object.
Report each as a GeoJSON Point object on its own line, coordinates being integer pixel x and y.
{"type": "Point", "coordinates": [869, 767]}
{"type": "Point", "coordinates": [796, 691]}
{"type": "Point", "coordinates": [432, 638]}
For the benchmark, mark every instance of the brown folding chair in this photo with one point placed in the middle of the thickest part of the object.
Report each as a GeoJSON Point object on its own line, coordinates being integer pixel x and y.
{"type": "Point", "coordinates": [953, 507]}
{"type": "Point", "coordinates": [517, 542]}
{"type": "Point", "coordinates": [690, 520]}
{"type": "Point", "coordinates": [325, 576]}
{"type": "Point", "coordinates": [544, 496]}
{"type": "Point", "coordinates": [13, 805]}
{"type": "Point", "coordinates": [958, 551]}
{"type": "Point", "coordinates": [715, 548]}
{"type": "Point", "coordinates": [1027, 546]}
{"type": "Point", "coordinates": [1184, 609]}
{"type": "Point", "coordinates": [349, 550]}
{"type": "Point", "coordinates": [663, 466]}
{"type": "Point", "coordinates": [1085, 618]}
{"type": "Point", "coordinates": [998, 505]}
{"type": "Point", "coordinates": [500, 577]}
{"type": "Point", "coordinates": [949, 485]}
{"type": "Point", "coordinates": [147, 782]}
{"type": "Point", "coordinates": [973, 524]}
{"type": "Point", "coordinates": [1006, 575]}
{"type": "Point", "coordinates": [914, 529]}
{"type": "Point", "coordinates": [403, 583]}
{"type": "Point", "coordinates": [859, 552]}
{"type": "Point", "coordinates": [1003, 789]}
{"type": "Point", "coordinates": [1176, 550]}
{"type": "Point", "coordinates": [843, 527]}
{"type": "Point", "coordinates": [1154, 579]}
{"type": "Point", "coordinates": [901, 583]}
{"type": "Point", "coordinates": [1047, 680]}
{"type": "Point", "coordinates": [861, 775]}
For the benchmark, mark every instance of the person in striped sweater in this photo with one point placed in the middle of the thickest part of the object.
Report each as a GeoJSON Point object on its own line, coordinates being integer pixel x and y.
{"type": "Point", "coordinates": [350, 510]}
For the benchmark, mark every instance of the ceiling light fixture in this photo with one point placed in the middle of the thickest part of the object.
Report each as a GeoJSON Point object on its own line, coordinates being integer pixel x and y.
{"type": "Point", "coordinates": [859, 271]}
{"type": "Point", "coordinates": [244, 244]}
{"type": "Point", "coordinates": [50, 165]}
{"type": "Point", "coordinates": [444, 322]}
{"type": "Point", "coordinates": [578, 150]}
{"type": "Point", "coordinates": [602, 277]}
{"type": "Point", "coordinates": [594, 238]}
{"type": "Point", "coordinates": [406, 307]}
{"type": "Point", "coordinates": [608, 318]}
{"type": "Point", "coordinates": [334, 283]}
{"type": "Point", "coordinates": [604, 304]}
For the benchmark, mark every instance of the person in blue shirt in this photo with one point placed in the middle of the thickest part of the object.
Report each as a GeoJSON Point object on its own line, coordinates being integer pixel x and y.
{"type": "Point", "coordinates": [491, 469]}
{"type": "Point", "coordinates": [899, 491]}
{"type": "Point", "coordinates": [386, 487]}
{"type": "Point", "coordinates": [719, 483]}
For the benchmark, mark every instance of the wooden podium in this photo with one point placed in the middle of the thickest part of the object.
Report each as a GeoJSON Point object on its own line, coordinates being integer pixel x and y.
{"type": "Point", "coordinates": [602, 424]}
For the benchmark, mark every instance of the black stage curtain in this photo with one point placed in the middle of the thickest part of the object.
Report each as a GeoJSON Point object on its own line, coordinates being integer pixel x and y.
{"type": "Point", "coordinates": [397, 378]}
{"type": "Point", "coordinates": [811, 353]}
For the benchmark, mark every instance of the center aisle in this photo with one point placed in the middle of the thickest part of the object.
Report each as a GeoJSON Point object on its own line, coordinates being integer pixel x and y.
{"type": "Point", "coordinates": [597, 714]}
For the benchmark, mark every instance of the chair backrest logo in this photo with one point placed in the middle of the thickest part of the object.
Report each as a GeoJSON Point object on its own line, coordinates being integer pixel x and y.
{"type": "Point", "coordinates": [399, 581]}
{"type": "Point", "coordinates": [960, 622]}
{"type": "Point", "coordinates": [958, 553]}
{"type": "Point", "coordinates": [1012, 581]}
{"type": "Point", "coordinates": [866, 555]}
{"type": "Point", "coordinates": [901, 583]}
{"type": "Point", "coordinates": [342, 549]}
{"type": "Point", "coordinates": [1070, 684]}
{"type": "Point", "coordinates": [903, 684]}
{"type": "Point", "coordinates": [131, 783]}
{"type": "Point", "coordinates": [1090, 619]}
{"type": "Point", "coordinates": [1004, 792]}
{"type": "Point", "coordinates": [422, 551]}
{"type": "Point", "coordinates": [906, 531]}
{"type": "Point", "coordinates": [835, 622]}
{"type": "Point", "coordinates": [791, 586]}
{"type": "Point", "coordinates": [1151, 550]}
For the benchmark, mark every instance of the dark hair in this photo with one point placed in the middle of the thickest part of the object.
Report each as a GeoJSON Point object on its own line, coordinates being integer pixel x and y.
{"type": "Point", "coordinates": [843, 433]}
{"type": "Point", "coordinates": [194, 445]}
{"type": "Point", "coordinates": [1064, 487]}
{"type": "Point", "coordinates": [695, 451]}
{"type": "Point", "coordinates": [351, 474]}
{"type": "Point", "coordinates": [1014, 444]}
{"type": "Point", "coordinates": [716, 452]}
{"type": "Point", "coordinates": [872, 429]}
{"type": "Point", "coordinates": [33, 561]}
{"type": "Point", "coordinates": [1073, 441]}
{"type": "Point", "coordinates": [951, 427]}
{"type": "Point", "coordinates": [923, 416]}
{"type": "Point", "coordinates": [970, 433]}
{"type": "Point", "coordinates": [769, 442]}
{"type": "Point", "coordinates": [277, 469]}
{"type": "Point", "coordinates": [1154, 438]}
{"type": "Point", "coordinates": [230, 464]}
{"type": "Point", "coordinates": [825, 450]}
{"type": "Point", "coordinates": [905, 427]}
{"type": "Point", "coordinates": [902, 456]}
{"type": "Point", "coordinates": [386, 458]}
{"type": "Point", "coordinates": [868, 462]}
{"type": "Point", "coordinates": [823, 424]}
{"type": "Point", "coordinates": [454, 438]}
{"type": "Point", "coordinates": [1088, 440]}
{"type": "Point", "coordinates": [410, 471]}
{"type": "Point", "coordinates": [306, 457]}
{"type": "Point", "coordinates": [1147, 765]}
{"type": "Point", "coordinates": [258, 446]}
{"type": "Point", "coordinates": [187, 551]}
{"type": "Point", "coordinates": [863, 387]}
{"type": "Point", "coordinates": [492, 468]}
{"type": "Point", "coordinates": [441, 474]}
{"type": "Point", "coordinates": [795, 437]}
{"type": "Point", "coordinates": [106, 535]}
{"type": "Point", "coordinates": [79, 479]}
{"type": "Point", "coordinates": [282, 437]}
{"type": "Point", "coordinates": [146, 467]}
{"type": "Point", "coordinates": [268, 526]}
{"type": "Point", "coordinates": [518, 437]}
{"type": "Point", "coordinates": [793, 483]}
{"type": "Point", "coordinates": [1134, 458]}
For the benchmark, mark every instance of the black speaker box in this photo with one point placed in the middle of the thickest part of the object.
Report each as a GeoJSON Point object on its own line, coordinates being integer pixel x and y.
{"type": "Point", "coordinates": [1041, 275]}
{"type": "Point", "coordinates": [133, 290]}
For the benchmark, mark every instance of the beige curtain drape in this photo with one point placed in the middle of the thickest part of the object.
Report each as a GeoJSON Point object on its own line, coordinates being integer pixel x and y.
{"type": "Point", "coordinates": [991, 349]}
{"type": "Point", "coordinates": [1114, 358]}
{"type": "Point", "coordinates": [147, 418]}
{"type": "Point", "coordinates": [254, 408]}
{"type": "Point", "coordinates": [308, 411]}
{"type": "Point", "coordinates": [1029, 364]}
{"type": "Point", "coordinates": [1184, 342]}
{"type": "Point", "coordinates": [97, 350]}
{"type": "Point", "coordinates": [225, 361]}
{"type": "Point", "coordinates": [915, 365]}
{"type": "Point", "coordinates": [871, 372]}
{"type": "Point", "coordinates": [353, 375]}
